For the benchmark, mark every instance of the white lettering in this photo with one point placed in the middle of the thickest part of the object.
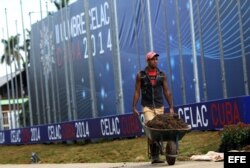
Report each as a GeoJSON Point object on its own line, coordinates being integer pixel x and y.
{"type": "Point", "coordinates": [35, 134]}
{"type": "Point", "coordinates": [203, 110]}
{"type": "Point", "coordinates": [189, 109]}
{"type": "Point", "coordinates": [186, 109]}
{"type": "Point", "coordinates": [15, 136]}
{"type": "Point", "coordinates": [104, 18]}
{"type": "Point", "coordinates": [142, 120]}
{"type": "Point", "coordinates": [54, 132]}
{"type": "Point", "coordinates": [66, 36]}
{"type": "Point", "coordinates": [196, 118]}
{"type": "Point", "coordinates": [2, 138]}
{"type": "Point", "coordinates": [98, 16]}
{"type": "Point", "coordinates": [82, 129]}
{"type": "Point", "coordinates": [109, 126]}
{"type": "Point", "coordinates": [75, 26]}
{"type": "Point", "coordinates": [236, 159]}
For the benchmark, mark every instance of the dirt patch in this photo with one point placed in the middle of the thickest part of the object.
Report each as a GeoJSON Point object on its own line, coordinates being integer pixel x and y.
{"type": "Point", "coordinates": [167, 121]}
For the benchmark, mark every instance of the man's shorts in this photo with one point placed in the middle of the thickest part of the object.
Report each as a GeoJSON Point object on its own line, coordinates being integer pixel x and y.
{"type": "Point", "coordinates": [150, 113]}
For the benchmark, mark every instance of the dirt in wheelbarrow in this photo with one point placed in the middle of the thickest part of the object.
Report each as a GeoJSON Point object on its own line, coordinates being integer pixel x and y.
{"type": "Point", "coordinates": [167, 121]}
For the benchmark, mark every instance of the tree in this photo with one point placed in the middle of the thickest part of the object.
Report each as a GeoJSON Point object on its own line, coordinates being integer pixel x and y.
{"type": "Point", "coordinates": [60, 3]}
{"type": "Point", "coordinates": [11, 51]}
{"type": "Point", "coordinates": [21, 115]}
{"type": "Point", "coordinates": [26, 45]}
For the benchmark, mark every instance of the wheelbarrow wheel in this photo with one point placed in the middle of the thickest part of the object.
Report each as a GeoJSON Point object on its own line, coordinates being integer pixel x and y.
{"type": "Point", "coordinates": [171, 152]}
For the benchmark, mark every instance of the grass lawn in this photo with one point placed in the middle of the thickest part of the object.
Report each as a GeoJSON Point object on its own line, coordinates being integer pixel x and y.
{"type": "Point", "coordinates": [122, 150]}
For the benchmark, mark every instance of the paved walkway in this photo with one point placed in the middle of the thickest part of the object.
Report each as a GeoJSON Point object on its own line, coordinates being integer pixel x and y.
{"type": "Point", "coordinates": [178, 164]}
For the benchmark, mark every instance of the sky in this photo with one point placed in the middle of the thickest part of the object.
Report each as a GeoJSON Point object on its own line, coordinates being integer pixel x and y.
{"type": "Point", "coordinates": [31, 13]}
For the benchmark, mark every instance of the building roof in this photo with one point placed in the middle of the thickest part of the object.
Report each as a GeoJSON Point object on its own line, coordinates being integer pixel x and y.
{"type": "Point", "coordinates": [3, 79]}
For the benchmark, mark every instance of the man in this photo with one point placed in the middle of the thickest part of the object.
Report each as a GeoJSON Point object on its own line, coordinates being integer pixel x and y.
{"type": "Point", "coordinates": [151, 83]}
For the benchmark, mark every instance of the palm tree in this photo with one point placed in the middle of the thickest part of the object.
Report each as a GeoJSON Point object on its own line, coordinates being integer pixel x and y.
{"type": "Point", "coordinates": [26, 45]}
{"type": "Point", "coordinates": [60, 3]}
{"type": "Point", "coordinates": [21, 116]}
{"type": "Point", "coordinates": [12, 55]}
{"type": "Point", "coordinates": [11, 51]}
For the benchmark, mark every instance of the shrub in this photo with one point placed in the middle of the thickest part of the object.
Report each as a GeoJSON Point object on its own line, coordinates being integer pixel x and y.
{"type": "Point", "coordinates": [235, 137]}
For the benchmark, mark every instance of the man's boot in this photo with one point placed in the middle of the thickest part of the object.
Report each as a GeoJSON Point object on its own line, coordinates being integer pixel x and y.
{"type": "Point", "coordinates": [154, 151]}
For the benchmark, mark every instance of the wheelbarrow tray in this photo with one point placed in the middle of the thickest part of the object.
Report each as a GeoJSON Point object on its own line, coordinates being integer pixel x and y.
{"type": "Point", "coordinates": [165, 134]}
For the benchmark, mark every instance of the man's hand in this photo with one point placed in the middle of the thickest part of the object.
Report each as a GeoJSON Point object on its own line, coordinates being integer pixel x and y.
{"type": "Point", "coordinates": [135, 111]}
{"type": "Point", "coordinates": [171, 110]}
{"type": "Point", "coordinates": [173, 114]}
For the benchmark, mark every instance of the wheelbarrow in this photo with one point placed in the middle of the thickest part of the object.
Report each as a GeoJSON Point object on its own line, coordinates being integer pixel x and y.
{"type": "Point", "coordinates": [167, 140]}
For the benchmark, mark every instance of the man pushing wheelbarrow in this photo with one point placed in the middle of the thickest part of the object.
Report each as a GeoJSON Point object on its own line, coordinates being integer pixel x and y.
{"type": "Point", "coordinates": [151, 84]}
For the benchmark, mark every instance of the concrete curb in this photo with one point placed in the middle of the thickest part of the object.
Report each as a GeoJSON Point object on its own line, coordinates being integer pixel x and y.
{"type": "Point", "coordinates": [178, 164]}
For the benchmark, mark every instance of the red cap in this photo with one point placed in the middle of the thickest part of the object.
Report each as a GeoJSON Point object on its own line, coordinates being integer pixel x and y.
{"type": "Point", "coordinates": [150, 55]}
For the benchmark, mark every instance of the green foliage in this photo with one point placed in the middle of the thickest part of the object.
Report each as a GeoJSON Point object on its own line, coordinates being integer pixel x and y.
{"type": "Point", "coordinates": [60, 3]}
{"type": "Point", "coordinates": [12, 50]}
{"type": "Point", "coordinates": [11, 53]}
{"type": "Point", "coordinates": [21, 116]}
{"type": "Point", "coordinates": [234, 137]}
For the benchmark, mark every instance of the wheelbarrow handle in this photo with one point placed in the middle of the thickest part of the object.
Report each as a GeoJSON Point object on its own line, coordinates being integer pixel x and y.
{"type": "Point", "coordinates": [139, 118]}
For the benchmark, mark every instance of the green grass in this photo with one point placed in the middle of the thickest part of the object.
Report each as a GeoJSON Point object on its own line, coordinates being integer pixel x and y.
{"type": "Point", "coordinates": [124, 150]}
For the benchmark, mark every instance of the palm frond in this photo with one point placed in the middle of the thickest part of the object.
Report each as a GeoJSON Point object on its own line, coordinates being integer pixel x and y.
{"type": "Point", "coordinates": [2, 59]}
{"type": "Point", "coordinates": [61, 3]}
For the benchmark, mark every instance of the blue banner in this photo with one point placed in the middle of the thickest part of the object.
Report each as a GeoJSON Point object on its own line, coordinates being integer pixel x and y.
{"type": "Point", "coordinates": [211, 115]}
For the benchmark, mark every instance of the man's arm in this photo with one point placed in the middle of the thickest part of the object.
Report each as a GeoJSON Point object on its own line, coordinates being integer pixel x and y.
{"type": "Point", "coordinates": [168, 95]}
{"type": "Point", "coordinates": [136, 94]}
